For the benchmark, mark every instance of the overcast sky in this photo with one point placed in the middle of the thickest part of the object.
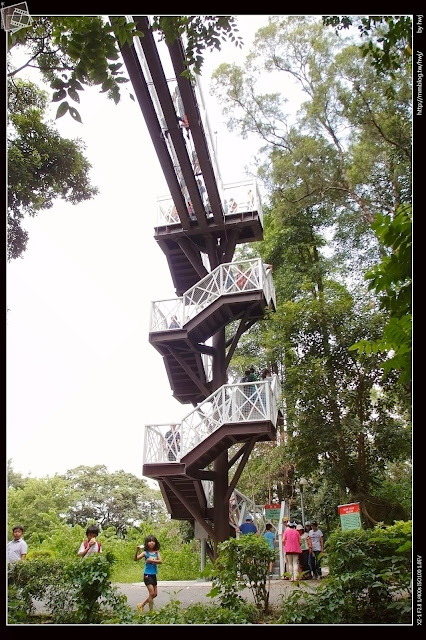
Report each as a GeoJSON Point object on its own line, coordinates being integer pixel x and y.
{"type": "Point", "coordinates": [82, 378]}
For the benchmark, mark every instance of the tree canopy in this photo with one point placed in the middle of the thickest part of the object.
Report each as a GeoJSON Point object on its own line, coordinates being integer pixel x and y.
{"type": "Point", "coordinates": [337, 173]}
{"type": "Point", "coordinates": [42, 165]}
{"type": "Point", "coordinates": [387, 39]}
{"type": "Point", "coordinates": [83, 495]}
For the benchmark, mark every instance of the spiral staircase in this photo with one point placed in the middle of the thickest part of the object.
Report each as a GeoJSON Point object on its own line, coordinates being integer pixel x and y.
{"type": "Point", "coordinates": [199, 224]}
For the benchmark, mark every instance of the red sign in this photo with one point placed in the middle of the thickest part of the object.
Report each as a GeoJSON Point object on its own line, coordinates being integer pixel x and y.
{"type": "Point", "coordinates": [345, 509]}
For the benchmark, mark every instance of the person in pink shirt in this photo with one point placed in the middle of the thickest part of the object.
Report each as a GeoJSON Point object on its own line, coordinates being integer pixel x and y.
{"type": "Point", "coordinates": [292, 548]}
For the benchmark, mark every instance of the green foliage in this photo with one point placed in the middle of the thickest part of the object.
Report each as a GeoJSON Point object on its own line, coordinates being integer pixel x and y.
{"type": "Point", "coordinates": [389, 38]}
{"type": "Point", "coordinates": [72, 52]}
{"type": "Point", "coordinates": [15, 480]}
{"type": "Point", "coordinates": [172, 613]}
{"type": "Point", "coordinates": [369, 583]}
{"type": "Point", "coordinates": [396, 485]}
{"type": "Point", "coordinates": [30, 580]}
{"type": "Point", "coordinates": [118, 499]}
{"type": "Point", "coordinates": [42, 166]}
{"type": "Point", "coordinates": [242, 563]}
{"type": "Point", "coordinates": [331, 170]}
{"type": "Point", "coordinates": [202, 33]}
{"type": "Point", "coordinates": [38, 505]}
{"type": "Point", "coordinates": [391, 279]}
{"type": "Point", "coordinates": [76, 592]}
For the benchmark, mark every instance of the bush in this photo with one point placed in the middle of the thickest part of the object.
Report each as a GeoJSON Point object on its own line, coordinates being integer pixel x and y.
{"type": "Point", "coordinates": [76, 592]}
{"type": "Point", "coordinates": [369, 583]}
{"type": "Point", "coordinates": [172, 613]}
{"type": "Point", "coordinates": [242, 563]}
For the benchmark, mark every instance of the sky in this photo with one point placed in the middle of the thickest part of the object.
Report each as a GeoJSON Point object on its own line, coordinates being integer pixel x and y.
{"type": "Point", "coordinates": [82, 379]}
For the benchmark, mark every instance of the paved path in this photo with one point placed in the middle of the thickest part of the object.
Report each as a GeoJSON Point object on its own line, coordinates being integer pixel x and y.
{"type": "Point", "coordinates": [192, 591]}
{"type": "Point", "coordinates": [189, 592]}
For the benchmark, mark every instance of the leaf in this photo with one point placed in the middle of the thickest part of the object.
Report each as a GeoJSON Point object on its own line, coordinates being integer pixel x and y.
{"type": "Point", "coordinates": [75, 114]}
{"type": "Point", "coordinates": [57, 84]}
{"type": "Point", "coordinates": [73, 94]}
{"type": "Point", "coordinates": [59, 95]}
{"type": "Point", "coordinates": [62, 109]}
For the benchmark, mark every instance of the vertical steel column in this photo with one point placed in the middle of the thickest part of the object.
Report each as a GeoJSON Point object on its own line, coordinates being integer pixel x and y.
{"type": "Point", "coordinates": [220, 465]}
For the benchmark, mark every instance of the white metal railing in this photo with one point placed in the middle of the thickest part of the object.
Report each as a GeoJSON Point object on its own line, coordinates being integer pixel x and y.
{"type": "Point", "coordinates": [238, 197]}
{"type": "Point", "coordinates": [231, 277]}
{"type": "Point", "coordinates": [231, 403]}
{"type": "Point", "coordinates": [239, 506]}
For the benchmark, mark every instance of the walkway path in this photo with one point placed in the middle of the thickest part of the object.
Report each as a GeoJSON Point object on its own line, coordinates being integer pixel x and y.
{"type": "Point", "coordinates": [192, 591]}
{"type": "Point", "coordinates": [189, 592]}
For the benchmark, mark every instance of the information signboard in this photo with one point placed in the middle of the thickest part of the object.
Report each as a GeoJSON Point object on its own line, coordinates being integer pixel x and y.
{"type": "Point", "coordinates": [272, 512]}
{"type": "Point", "coordinates": [350, 516]}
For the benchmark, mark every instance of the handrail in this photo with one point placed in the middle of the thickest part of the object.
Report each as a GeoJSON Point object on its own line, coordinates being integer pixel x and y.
{"type": "Point", "coordinates": [227, 278]}
{"type": "Point", "coordinates": [238, 198]}
{"type": "Point", "coordinates": [231, 403]}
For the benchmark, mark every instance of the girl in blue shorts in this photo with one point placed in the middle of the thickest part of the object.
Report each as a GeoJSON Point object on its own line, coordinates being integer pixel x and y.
{"type": "Point", "coordinates": [152, 556]}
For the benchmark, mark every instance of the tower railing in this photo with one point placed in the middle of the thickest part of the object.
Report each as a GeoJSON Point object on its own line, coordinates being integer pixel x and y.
{"type": "Point", "coordinates": [227, 278]}
{"type": "Point", "coordinates": [231, 403]}
{"type": "Point", "coordinates": [238, 198]}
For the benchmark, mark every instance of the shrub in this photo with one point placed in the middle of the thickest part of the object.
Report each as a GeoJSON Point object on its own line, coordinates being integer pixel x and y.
{"type": "Point", "coordinates": [172, 613]}
{"type": "Point", "coordinates": [242, 563]}
{"type": "Point", "coordinates": [370, 580]}
{"type": "Point", "coordinates": [76, 592]}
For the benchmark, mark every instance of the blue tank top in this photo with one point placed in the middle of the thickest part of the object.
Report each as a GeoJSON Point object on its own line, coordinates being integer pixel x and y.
{"type": "Point", "coordinates": [150, 567]}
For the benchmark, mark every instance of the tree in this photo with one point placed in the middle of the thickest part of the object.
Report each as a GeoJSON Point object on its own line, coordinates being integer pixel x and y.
{"type": "Point", "coordinates": [116, 500]}
{"type": "Point", "coordinates": [391, 279]}
{"type": "Point", "coordinates": [39, 506]}
{"type": "Point", "coordinates": [42, 166]}
{"type": "Point", "coordinates": [72, 52]}
{"type": "Point", "coordinates": [331, 171]}
{"type": "Point", "coordinates": [389, 38]}
{"type": "Point", "coordinates": [15, 480]}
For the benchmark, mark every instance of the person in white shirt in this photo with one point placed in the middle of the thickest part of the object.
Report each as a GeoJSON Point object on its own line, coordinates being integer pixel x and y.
{"type": "Point", "coordinates": [17, 548]}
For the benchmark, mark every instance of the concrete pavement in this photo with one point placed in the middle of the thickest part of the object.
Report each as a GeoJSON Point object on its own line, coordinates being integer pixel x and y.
{"type": "Point", "coordinates": [189, 592]}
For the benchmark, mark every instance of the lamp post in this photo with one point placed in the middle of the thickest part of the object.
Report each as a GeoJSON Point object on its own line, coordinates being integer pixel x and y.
{"type": "Point", "coordinates": [302, 482]}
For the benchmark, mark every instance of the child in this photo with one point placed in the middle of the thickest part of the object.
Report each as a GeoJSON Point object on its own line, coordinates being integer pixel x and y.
{"type": "Point", "coordinates": [91, 545]}
{"type": "Point", "coordinates": [270, 538]}
{"type": "Point", "coordinates": [153, 558]}
{"type": "Point", "coordinates": [17, 548]}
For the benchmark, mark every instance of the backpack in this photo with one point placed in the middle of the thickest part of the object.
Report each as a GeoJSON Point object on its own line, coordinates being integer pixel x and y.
{"type": "Point", "coordinates": [86, 544]}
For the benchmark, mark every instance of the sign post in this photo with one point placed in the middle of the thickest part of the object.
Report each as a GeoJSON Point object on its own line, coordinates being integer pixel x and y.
{"type": "Point", "coordinates": [350, 516]}
{"type": "Point", "coordinates": [272, 513]}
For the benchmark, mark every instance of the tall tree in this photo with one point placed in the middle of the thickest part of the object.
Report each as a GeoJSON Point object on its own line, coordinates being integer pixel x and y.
{"type": "Point", "coordinates": [331, 171]}
{"type": "Point", "coordinates": [39, 506]}
{"type": "Point", "coordinates": [116, 500]}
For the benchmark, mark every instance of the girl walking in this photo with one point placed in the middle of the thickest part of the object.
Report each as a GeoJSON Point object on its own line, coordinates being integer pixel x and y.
{"type": "Point", "coordinates": [152, 556]}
